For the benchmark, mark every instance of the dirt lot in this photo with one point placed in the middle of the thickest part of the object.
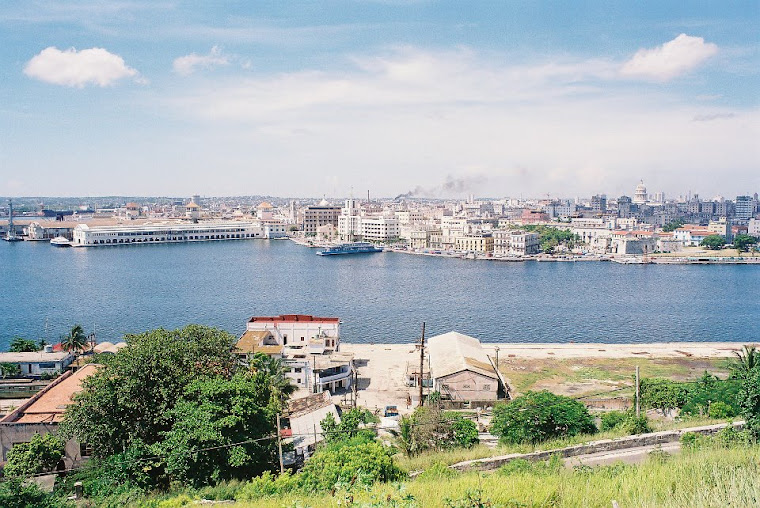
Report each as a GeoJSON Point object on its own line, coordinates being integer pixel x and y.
{"type": "Point", "coordinates": [571, 369]}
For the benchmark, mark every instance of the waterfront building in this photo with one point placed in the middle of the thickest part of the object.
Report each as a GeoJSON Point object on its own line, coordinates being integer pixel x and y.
{"type": "Point", "coordinates": [722, 227]}
{"type": "Point", "coordinates": [43, 413]}
{"type": "Point", "coordinates": [461, 369]}
{"type": "Point", "coordinates": [300, 331]}
{"type": "Point", "coordinates": [523, 243]}
{"type": "Point", "coordinates": [308, 346]}
{"type": "Point", "coordinates": [379, 229]}
{"type": "Point", "coordinates": [501, 242]}
{"type": "Point", "coordinates": [38, 363]}
{"type": "Point", "coordinates": [86, 236]}
{"type": "Point", "coordinates": [691, 234]}
{"type": "Point", "coordinates": [314, 217]}
{"type": "Point", "coordinates": [350, 221]}
{"type": "Point", "coordinates": [478, 242]}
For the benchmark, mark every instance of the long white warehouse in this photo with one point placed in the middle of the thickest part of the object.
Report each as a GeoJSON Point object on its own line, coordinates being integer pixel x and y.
{"type": "Point", "coordinates": [86, 236]}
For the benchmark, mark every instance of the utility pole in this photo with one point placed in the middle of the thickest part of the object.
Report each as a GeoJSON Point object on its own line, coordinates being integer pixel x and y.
{"type": "Point", "coordinates": [279, 444]}
{"type": "Point", "coordinates": [638, 393]}
{"type": "Point", "coordinates": [356, 381]}
{"type": "Point", "coordinates": [422, 361]}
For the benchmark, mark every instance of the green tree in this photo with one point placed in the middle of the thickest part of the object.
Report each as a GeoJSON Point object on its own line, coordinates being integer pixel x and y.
{"type": "Point", "coordinates": [538, 416]}
{"type": "Point", "coordinates": [231, 421]}
{"type": "Point", "coordinates": [672, 225]}
{"type": "Point", "coordinates": [713, 242]}
{"type": "Point", "coordinates": [350, 426]}
{"type": "Point", "coordinates": [749, 400]}
{"type": "Point", "coordinates": [745, 362]}
{"type": "Point", "coordinates": [130, 399]}
{"type": "Point", "coordinates": [40, 455]}
{"type": "Point", "coordinates": [75, 340]}
{"type": "Point", "coordinates": [429, 428]}
{"type": "Point", "coordinates": [22, 345]}
{"type": "Point", "coordinates": [275, 371]}
{"type": "Point", "coordinates": [662, 394]}
{"type": "Point", "coordinates": [743, 243]}
{"type": "Point", "coordinates": [8, 369]}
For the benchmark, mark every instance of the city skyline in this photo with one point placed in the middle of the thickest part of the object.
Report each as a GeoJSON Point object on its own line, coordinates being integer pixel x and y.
{"type": "Point", "coordinates": [293, 99]}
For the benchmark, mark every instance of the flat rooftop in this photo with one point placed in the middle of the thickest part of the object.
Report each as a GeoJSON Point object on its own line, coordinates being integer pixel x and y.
{"type": "Point", "coordinates": [293, 318]}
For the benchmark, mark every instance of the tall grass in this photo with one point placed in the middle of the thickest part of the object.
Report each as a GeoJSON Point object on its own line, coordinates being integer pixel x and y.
{"type": "Point", "coordinates": [710, 477]}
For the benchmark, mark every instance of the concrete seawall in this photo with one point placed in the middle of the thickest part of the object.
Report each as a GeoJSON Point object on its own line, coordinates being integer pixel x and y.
{"type": "Point", "coordinates": [605, 445]}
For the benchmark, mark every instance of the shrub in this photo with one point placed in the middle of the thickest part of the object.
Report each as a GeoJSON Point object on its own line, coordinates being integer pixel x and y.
{"type": "Point", "coordinates": [721, 410]}
{"type": "Point", "coordinates": [348, 464]}
{"type": "Point", "coordinates": [539, 416]}
{"type": "Point", "coordinates": [634, 425]}
{"type": "Point", "coordinates": [708, 391]}
{"type": "Point", "coordinates": [613, 419]}
{"type": "Point", "coordinates": [41, 454]}
{"type": "Point", "coordinates": [662, 394]}
{"type": "Point", "coordinates": [18, 494]}
{"type": "Point", "coordinates": [268, 485]}
{"type": "Point", "coordinates": [430, 429]}
{"type": "Point", "coordinates": [541, 467]}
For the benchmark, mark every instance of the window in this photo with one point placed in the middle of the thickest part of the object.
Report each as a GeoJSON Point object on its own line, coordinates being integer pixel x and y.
{"type": "Point", "coordinates": [47, 366]}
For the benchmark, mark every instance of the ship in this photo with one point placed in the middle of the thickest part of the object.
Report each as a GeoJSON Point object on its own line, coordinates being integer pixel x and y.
{"type": "Point", "coordinates": [350, 248]}
{"type": "Point", "coordinates": [60, 241]}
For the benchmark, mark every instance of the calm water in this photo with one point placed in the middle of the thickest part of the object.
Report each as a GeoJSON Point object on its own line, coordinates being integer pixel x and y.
{"type": "Point", "coordinates": [381, 298]}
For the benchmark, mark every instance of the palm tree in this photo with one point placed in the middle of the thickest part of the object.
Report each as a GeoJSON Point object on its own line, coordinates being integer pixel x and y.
{"type": "Point", "coordinates": [746, 360]}
{"type": "Point", "coordinates": [76, 340]}
{"type": "Point", "coordinates": [274, 369]}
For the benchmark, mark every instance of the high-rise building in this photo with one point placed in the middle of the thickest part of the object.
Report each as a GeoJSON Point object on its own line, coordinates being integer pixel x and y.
{"type": "Point", "coordinates": [320, 215]}
{"type": "Point", "coordinates": [745, 207]}
{"type": "Point", "coordinates": [599, 203]}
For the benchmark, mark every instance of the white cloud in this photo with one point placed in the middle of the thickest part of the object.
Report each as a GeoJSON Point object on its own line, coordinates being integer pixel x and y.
{"type": "Point", "coordinates": [188, 64]}
{"type": "Point", "coordinates": [408, 116]}
{"type": "Point", "coordinates": [670, 60]}
{"type": "Point", "coordinates": [78, 68]}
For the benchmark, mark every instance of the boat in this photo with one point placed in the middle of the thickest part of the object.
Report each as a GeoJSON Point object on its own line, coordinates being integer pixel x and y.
{"type": "Point", "coordinates": [60, 241]}
{"type": "Point", "coordinates": [350, 248]}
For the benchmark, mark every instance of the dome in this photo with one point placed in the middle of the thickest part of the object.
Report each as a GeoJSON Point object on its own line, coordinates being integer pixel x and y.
{"type": "Point", "coordinates": [264, 205]}
{"type": "Point", "coordinates": [324, 202]}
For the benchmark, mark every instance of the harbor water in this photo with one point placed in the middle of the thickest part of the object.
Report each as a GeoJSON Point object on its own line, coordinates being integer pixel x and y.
{"type": "Point", "coordinates": [381, 297]}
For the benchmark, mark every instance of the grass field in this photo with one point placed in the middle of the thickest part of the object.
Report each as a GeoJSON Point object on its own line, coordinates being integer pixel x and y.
{"type": "Point", "coordinates": [581, 376]}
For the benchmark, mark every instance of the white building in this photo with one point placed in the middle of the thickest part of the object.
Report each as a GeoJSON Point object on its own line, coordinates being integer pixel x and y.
{"type": "Point", "coordinates": [640, 195]}
{"type": "Point", "coordinates": [34, 364]}
{"type": "Point", "coordinates": [174, 232]}
{"type": "Point", "coordinates": [753, 229]}
{"type": "Point", "coordinates": [350, 221]}
{"type": "Point", "coordinates": [300, 331]}
{"type": "Point", "coordinates": [523, 243]}
{"type": "Point", "coordinates": [379, 229]}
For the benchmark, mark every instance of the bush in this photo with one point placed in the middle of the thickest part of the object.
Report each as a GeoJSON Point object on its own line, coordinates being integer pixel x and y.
{"type": "Point", "coordinates": [662, 394]}
{"type": "Point", "coordinates": [720, 410]}
{"type": "Point", "coordinates": [268, 485]}
{"type": "Point", "coordinates": [539, 416]}
{"type": "Point", "coordinates": [430, 429]}
{"type": "Point", "coordinates": [18, 494]}
{"type": "Point", "coordinates": [541, 467]}
{"type": "Point", "coordinates": [39, 455]}
{"type": "Point", "coordinates": [350, 463]}
{"type": "Point", "coordinates": [613, 419]}
{"type": "Point", "coordinates": [634, 425]}
{"type": "Point", "coordinates": [710, 390]}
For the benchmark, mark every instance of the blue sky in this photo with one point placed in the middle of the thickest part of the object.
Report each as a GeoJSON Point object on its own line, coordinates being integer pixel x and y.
{"type": "Point", "coordinates": [311, 98]}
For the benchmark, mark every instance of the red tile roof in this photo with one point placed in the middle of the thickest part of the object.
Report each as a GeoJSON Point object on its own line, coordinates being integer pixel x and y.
{"type": "Point", "coordinates": [293, 318]}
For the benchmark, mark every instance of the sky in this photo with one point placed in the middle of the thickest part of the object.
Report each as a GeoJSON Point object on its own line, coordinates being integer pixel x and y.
{"type": "Point", "coordinates": [333, 98]}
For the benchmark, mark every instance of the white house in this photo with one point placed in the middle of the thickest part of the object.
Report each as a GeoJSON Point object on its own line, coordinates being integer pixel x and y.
{"type": "Point", "coordinates": [39, 362]}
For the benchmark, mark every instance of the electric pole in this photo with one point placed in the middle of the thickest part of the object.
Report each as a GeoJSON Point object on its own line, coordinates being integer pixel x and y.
{"type": "Point", "coordinates": [638, 393]}
{"type": "Point", "coordinates": [279, 444]}
{"type": "Point", "coordinates": [422, 361]}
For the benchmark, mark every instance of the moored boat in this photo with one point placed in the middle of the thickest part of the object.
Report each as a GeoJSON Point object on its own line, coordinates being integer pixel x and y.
{"type": "Point", "coordinates": [60, 241]}
{"type": "Point", "coordinates": [350, 248]}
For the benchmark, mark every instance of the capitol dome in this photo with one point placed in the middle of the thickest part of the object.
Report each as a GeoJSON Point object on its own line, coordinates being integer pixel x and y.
{"type": "Point", "coordinates": [640, 196]}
